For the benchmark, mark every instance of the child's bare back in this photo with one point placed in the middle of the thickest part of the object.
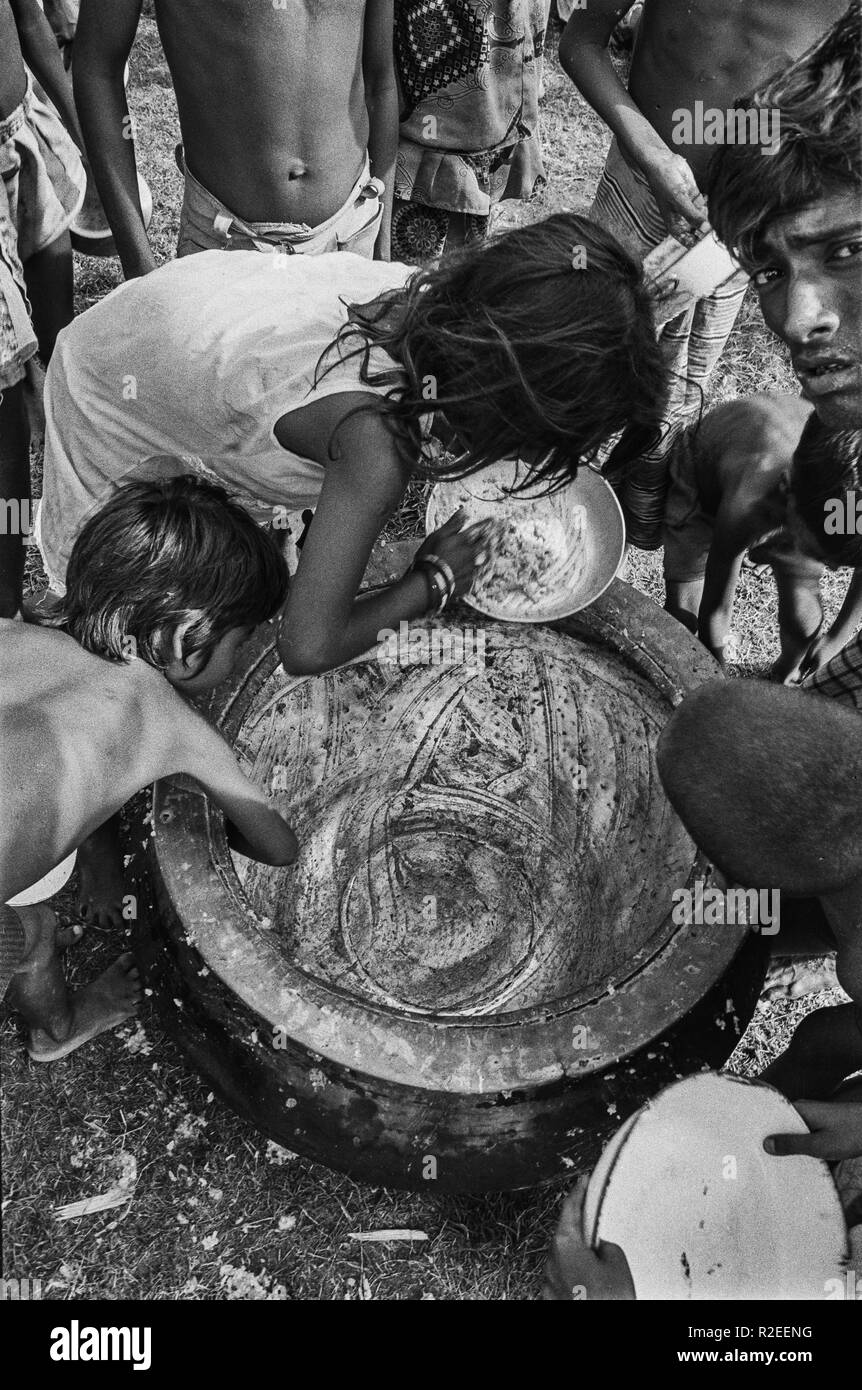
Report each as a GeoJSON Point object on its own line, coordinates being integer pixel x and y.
{"type": "Point", "coordinates": [89, 718]}
{"type": "Point", "coordinates": [165, 583]}
{"type": "Point", "coordinates": [79, 736]}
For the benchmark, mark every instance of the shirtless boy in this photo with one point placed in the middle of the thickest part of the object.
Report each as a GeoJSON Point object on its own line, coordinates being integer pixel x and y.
{"type": "Point", "coordinates": [165, 583]}
{"type": "Point", "coordinates": [731, 480]}
{"type": "Point", "coordinates": [281, 107]}
{"type": "Point", "coordinates": [708, 51]}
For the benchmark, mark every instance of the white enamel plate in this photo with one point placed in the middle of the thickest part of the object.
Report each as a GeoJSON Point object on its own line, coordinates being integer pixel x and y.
{"type": "Point", "coordinates": [701, 1211]}
{"type": "Point", "coordinates": [550, 555]}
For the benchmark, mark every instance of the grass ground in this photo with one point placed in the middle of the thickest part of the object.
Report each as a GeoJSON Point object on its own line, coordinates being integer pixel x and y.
{"type": "Point", "coordinates": [216, 1211]}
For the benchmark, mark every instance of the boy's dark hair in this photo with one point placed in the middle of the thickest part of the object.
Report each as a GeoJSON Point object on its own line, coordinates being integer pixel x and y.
{"type": "Point", "coordinates": [819, 104]}
{"type": "Point", "coordinates": [519, 350]}
{"type": "Point", "coordinates": [162, 552]}
{"type": "Point", "coordinates": [827, 465]}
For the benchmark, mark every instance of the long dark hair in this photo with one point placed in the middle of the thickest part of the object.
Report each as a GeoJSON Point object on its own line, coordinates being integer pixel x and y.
{"type": "Point", "coordinates": [539, 341]}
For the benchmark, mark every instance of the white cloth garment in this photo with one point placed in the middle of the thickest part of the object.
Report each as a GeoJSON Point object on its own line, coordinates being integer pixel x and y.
{"type": "Point", "coordinates": [199, 359]}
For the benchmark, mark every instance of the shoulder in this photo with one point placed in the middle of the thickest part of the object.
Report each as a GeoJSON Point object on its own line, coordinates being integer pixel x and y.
{"type": "Point", "coordinates": [50, 680]}
{"type": "Point", "coordinates": [353, 411]}
{"type": "Point", "coordinates": [752, 436]}
{"type": "Point", "coordinates": [34, 657]}
{"type": "Point", "coordinates": [767, 422]}
{"type": "Point", "coordinates": [163, 712]}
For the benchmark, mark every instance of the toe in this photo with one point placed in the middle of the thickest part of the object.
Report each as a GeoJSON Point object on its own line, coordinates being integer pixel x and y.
{"type": "Point", "coordinates": [131, 974]}
{"type": "Point", "coordinates": [67, 936]}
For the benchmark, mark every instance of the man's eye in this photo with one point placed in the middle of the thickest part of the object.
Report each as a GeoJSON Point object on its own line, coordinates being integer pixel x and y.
{"type": "Point", "coordinates": [766, 275]}
{"type": "Point", "coordinates": [848, 250]}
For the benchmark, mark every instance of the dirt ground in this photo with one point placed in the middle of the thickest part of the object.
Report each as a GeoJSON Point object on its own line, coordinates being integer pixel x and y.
{"type": "Point", "coordinates": [215, 1211]}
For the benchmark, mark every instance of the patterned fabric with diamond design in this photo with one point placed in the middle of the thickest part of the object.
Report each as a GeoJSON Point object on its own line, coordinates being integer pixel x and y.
{"type": "Point", "coordinates": [438, 42]}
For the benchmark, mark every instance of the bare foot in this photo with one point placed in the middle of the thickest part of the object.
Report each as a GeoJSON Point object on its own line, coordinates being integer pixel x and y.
{"type": "Point", "coordinates": [69, 935]}
{"type": "Point", "coordinates": [97, 1007]}
{"type": "Point", "coordinates": [41, 923]}
{"type": "Point", "coordinates": [757, 568]}
{"type": "Point", "coordinates": [101, 885]}
{"type": "Point", "coordinates": [101, 888]}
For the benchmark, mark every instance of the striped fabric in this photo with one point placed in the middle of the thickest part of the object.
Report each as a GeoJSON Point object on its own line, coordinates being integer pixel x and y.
{"type": "Point", "coordinates": [692, 342]}
{"type": "Point", "coordinates": [841, 678]}
{"type": "Point", "coordinates": [42, 171]}
{"type": "Point", "coordinates": [12, 945]}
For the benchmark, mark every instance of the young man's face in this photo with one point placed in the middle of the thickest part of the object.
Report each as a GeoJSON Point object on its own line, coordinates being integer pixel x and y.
{"type": "Point", "coordinates": [809, 280]}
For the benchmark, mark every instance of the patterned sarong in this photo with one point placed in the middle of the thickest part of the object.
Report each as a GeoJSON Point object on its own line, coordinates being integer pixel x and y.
{"type": "Point", "coordinates": [469, 73]}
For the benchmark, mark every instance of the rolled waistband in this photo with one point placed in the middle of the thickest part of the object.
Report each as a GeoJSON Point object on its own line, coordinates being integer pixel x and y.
{"type": "Point", "coordinates": [225, 220]}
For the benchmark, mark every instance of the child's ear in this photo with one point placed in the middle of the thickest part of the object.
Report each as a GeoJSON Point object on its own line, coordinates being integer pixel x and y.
{"type": "Point", "coordinates": [172, 644]}
{"type": "Point", "coordinates": [177, 640]}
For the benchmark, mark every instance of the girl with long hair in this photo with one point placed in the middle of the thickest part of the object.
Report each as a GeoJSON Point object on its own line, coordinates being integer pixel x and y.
{"type": "Point", "coordinates": [315, 381]}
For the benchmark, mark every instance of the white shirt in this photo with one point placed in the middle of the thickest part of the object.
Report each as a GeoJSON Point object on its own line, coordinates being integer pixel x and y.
{"type": "Point", "coordinates": [199, 359]}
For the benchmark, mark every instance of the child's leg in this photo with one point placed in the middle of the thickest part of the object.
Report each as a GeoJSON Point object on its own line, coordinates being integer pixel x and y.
{"type": "Point", "coordinates": [465, 229]}
{"type": "Point", "coordinates": [800, 612]}
{"type": "Point", "coordinates": [843, 911]}
{"type": "Point", "coordinates": [17, 350]}
{"type": "Point", "coordinates": [682, 600]}
{"type": "Point", "coordinates": [101, 885]}
{"type": "Point", "coordinates": [14, 488]}
{"type": "Point", "coordinates": [50, 288]}
{"type": "Point", "coordinates": [59, 1020]}
{"type": "Point", "coordinates": [687, 533]}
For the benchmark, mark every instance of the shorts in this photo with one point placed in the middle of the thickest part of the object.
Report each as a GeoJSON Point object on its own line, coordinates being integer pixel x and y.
{"type": "Point", "coordinates": [43, 175]}
{"type": "Point", "coordinates": [17, 339]}
{"type": "Point", "coordinates": [841, 678]}
{"type": "Point", "coordinates": [207, 225]}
